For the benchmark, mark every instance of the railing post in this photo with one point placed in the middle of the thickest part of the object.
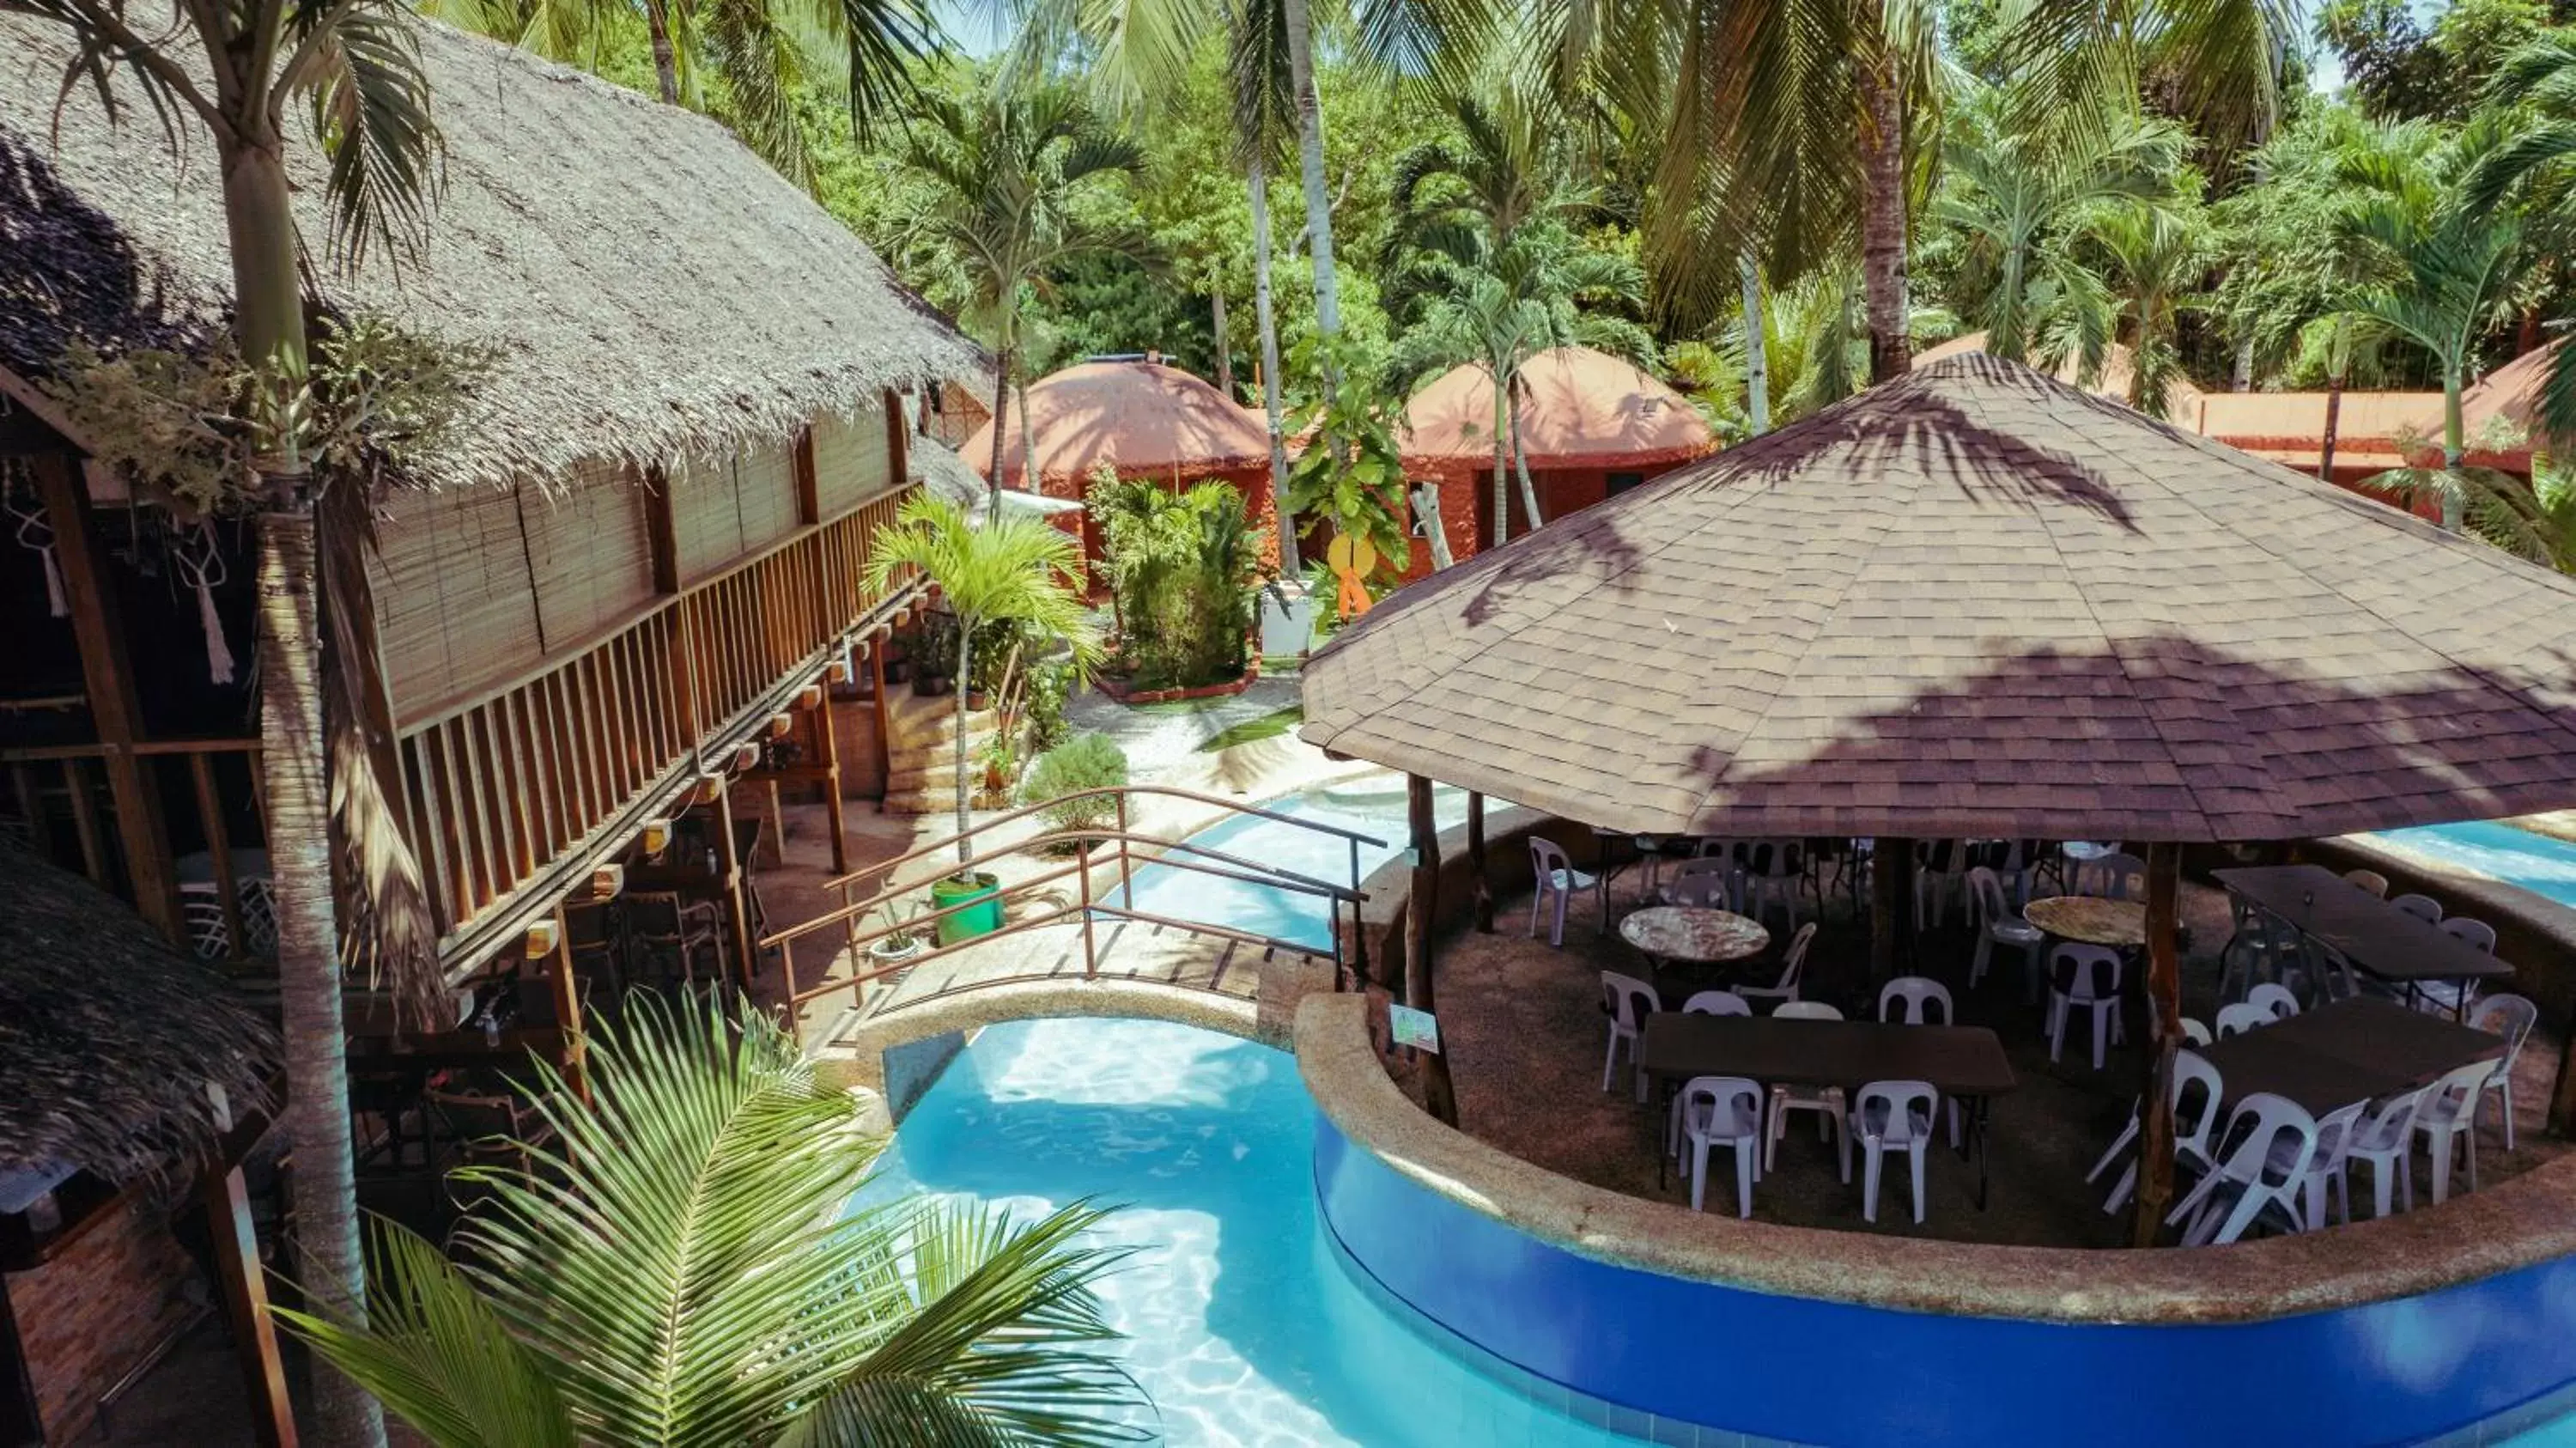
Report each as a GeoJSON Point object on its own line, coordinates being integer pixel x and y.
{"type": "Point", "coordinates": [1126, 876]}
{"type": "Point", "coordinates": [1090, 952]}
{"type": "Point", "coordinates": [1359, 926]}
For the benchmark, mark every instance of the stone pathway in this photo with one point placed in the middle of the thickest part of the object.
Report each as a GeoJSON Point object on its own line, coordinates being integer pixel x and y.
{"type": "Point", "coordinates": [1163, 738]}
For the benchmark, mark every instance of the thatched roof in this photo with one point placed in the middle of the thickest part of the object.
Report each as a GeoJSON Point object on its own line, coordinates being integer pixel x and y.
{"type": "Point", "coordinates": [1976, 602]}
{"type": "Point", "coordinates": [656, 289]}
{"type": "Point", "coordinates": [108, 1033]}
{"type": "Point", "coordinates": [1575, 408]}
{"type": "Point", "coordinates": [947, 476]}
{"type": "Point", "coordinates": [1143, 419]}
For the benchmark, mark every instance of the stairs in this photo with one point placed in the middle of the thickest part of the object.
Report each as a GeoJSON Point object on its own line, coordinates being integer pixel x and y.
{"type": "Point", "coordinates": [921, 735]}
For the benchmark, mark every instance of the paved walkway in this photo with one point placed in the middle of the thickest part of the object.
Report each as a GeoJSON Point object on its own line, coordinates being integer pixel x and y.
{"type": "Point", "coordinates": [1161, 738]}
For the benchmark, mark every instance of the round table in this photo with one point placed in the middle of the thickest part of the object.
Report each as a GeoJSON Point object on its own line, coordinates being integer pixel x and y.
{"type": "Point", "coordinates": [1694, 934]}
{"type": "Point", "coordinates": [2121, 924]}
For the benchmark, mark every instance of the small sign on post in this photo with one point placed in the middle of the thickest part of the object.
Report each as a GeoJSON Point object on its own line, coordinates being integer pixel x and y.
{"type": "Point", "coordinates": [1413, 1028]}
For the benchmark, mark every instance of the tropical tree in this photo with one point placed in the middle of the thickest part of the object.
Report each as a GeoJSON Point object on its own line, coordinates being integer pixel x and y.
{"type": "Point", "coordinates": [761, 55]}
{"type": "Point", "coordinates": [2154, 258]}
{"type": "Point", "coordinates": [2535, 164]}
{"type": "Point", "coordinates": [678, 1262]}
{"type": "Point", "coordinates": [1504, 167]}
{"type": "Point", "coordinates": [1009, 568]}
{"type": "Point", "coordinates": [2019, 197]}
{"type": "Point", "coordinates": [236, 70]}
{"type": "Point", "coordinates": [2438, 269]}
{"type": "Point", "coordinates": [1005, 175]}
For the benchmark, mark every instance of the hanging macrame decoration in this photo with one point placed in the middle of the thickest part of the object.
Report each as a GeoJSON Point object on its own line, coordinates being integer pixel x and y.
{"type": "Point", "coordinates": [36, 534]}
{"type": "Point", "coordinates": [200, 563]}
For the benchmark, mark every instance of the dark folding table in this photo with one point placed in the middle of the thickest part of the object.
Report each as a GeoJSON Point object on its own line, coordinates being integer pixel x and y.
{"type": "Point", "coordinates": [2355, 1050]}
{"type": "Point", "coordinates": [1965, 1062]}
{"type": "Point", "coordinates": [2379, 939]}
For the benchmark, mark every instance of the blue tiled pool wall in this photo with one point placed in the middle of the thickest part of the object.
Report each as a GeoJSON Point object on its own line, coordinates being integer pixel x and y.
{"type": "Point", "coordinates": [2473, 1363]}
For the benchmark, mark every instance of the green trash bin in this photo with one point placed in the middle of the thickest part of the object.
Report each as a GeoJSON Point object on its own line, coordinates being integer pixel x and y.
{"type": "Point", "coordinates": [982, 917]}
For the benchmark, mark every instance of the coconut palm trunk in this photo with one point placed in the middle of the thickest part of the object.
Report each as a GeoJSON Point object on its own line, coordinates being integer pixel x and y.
{"type": "Point", "coordinates": [1882, 219]}
{"type": "Point", "coordinates": [1310, 166]}
{"type": "Point", "coordinates": [965, 690]}
{"type": "Point", "coordinates": [1258, 180]}
{"type": "Point", "coordinates": [269, 322]}
{"type": "Point", "coordinates": [1001, 427]}
{"type": "Point", "coordinates": [2454, 445]}
{"type": "Point", "coordinates": [1502, 467]}
{"type": "Point", "coordinates": [1757, 358]}
{"type": "Point", "coordinates": [1520, 460]}
{"type": "Point", "coordinates": [1216, 324]}
{"type": "Point", "coordinates": [2341, 363]}
{"type": "Point", "coordinates": [1028, 443]}
{"type": "Point", "coordinates": [666, 66]}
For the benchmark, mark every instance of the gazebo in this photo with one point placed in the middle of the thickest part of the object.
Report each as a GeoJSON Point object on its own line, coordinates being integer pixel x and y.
{"type": "Point", "coordinates": [1140, 419]}
{"type": "Point", "coordinates": [1975, 602]}
{"type": "Point", "coordinates": [1592, 426]}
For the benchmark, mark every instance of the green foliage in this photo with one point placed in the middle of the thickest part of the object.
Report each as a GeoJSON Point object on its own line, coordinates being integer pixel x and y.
{"type": "Point", "coordinates": [1089, 760]}
{"type": "Point", "coordinates": [679, 1264]}
{"type": "Point", "coordinates": [1050, 687]}
{"type": "Point", "coordinates": [2401, 68]}
{"type": "Point", "coordinates": [1183, 566]}
{"type": "Point", "coordinates": [1351, 474]}
{"type": "Point", "coordinates": [376, 399]}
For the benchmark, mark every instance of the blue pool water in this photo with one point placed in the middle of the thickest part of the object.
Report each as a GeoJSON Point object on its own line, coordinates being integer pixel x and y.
{"type": "Point", "coordinates": [1372, 806]}
{"type": "Point", "coordinates": [1241, 1323]}
{"type": "Point", "coordinates": [2539, 863]}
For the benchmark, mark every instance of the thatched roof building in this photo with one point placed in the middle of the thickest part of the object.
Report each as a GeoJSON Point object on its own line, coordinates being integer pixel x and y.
{"type": "Point", "coordinates": [109, 1034]}
{"type": "Point", "coordinates": [657, 290]}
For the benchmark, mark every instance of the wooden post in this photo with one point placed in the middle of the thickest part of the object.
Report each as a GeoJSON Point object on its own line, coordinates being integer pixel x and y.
{"type": "Point", "coordinates": [567, 987]}
{"type": "Point", "coordinates": [827, 748]}
{"type": "Point", "coordinates": [809, 487]}
{"type": "Point", "coordinates": [899, 439]}
{"type": "Point", "coordinates": [1439, 1095]}
{"type": "Point", "coordinates": [1476, 862]}
{"type": "Point", "coordinates": [227, 1204]}
{"type": "Point", "coordinates": [1891, 906]}
{"type": "Point", "coordinates": [885, 738]}
{"type": "Point", "coordinates": [729, 866]}
{"type": "Point", "coordinates": [113, 707]}
{"type": "Point", "coordinates": [2164, 1007]}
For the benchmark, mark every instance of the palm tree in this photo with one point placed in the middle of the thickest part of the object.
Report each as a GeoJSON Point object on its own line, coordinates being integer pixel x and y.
{"type": "Point", "coordinates": [1504, 168]}
{"type": "Point", "coordinates": [1006, 174]}
{"type": "Point", "coordinates": [2155, 256]}
{"type": "Point", "coordinates": [236, 69]}
{"type": "Point", "coordinates": [2015, 193]}
{"type": "Point", "coordinates": [763, 54]}
{"type": "Point", "coordinates": [1257, 59]}
{"type": "Point", "coordinates": [1012, 568]}
{"type": "Point", "coordinates": [2536, 163]}
{"type": "Point", "coordinates": [2441, 268]}
{"type": "Point", "coordinates": [678, 1263]}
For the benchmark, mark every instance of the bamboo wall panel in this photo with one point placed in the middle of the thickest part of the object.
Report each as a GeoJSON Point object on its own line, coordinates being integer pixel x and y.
{"type": "Point", "coordinates": [589, 553]}
{"type": "Point", "coordinates": [850, 461]}
{"type": "Point", "coordinates": [706, 516]}
{"type": "Point", "coordinates": [455, 609]}
{"type": "Point", "coordinates": [765, 492]}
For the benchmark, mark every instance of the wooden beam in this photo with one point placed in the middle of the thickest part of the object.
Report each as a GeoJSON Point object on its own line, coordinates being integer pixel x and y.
{"type": "Point", "coordinates": [567, 988]}
{"type": "Point", "coordinates": [885, 740]}
{"type": "Point", "coordinates": [898, 440]}
{"type": "Point", "coordinates": [729, 869]}
{"type": "Point", "coordinates": [661, 531]}
{"type": "Point", "coordinates": [1420, 906]}
{"type": "Point", "coordinates": [237, 1267]}
{"type": "Point", "coordinates": [809, 488]}
{"type": "Point", "coordinates": [1476, 862]}
{"type": "Point", "coordinates": [113, 706]}
{"type": "Point", "coordinates": [827, 748]}
{"type": "Point", "coordinates": [2164, 1008]}
{"type": "Point", "coordinates": [1891, 907]}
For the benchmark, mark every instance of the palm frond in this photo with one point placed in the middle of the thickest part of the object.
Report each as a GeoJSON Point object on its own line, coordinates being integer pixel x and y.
{"type": "Point", "coordinates": [371, 110]}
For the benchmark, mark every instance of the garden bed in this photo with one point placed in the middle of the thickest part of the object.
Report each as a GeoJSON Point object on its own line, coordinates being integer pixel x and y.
{"type": "Point", "coordinates": [1117, 689]}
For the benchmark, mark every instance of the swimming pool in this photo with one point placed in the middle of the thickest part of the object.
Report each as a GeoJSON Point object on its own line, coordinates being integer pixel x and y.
{"type": "Point", "coordinates": [1240, 1321]}
{"type": "Point", "coordinates": [2542, 864]}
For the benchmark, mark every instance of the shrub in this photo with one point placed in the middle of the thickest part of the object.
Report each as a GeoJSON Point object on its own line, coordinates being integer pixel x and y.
{"type": "Point", "coordinates": [1086, 761]}
{"type": "Point", "coordinates": [1050, 688]}
{"type": "Point", "coordinates": [1182, 566]}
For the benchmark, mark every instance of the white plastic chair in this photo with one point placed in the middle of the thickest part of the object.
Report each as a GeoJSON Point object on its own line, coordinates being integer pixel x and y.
{"type": "Point", "coordinates": [2471, 932]}
{"type": "Point", "coordinates": [2422, 907]}
{"type": "Point", "coordinates": [1793, 964]}
{"type": "Point", "coordinates": [2445, 997]}
{"type": "Point", "coordinates": [1826, 1101]}
{"type": "Point", "coordinates": [2276, 1000]}
{"type": "Point", "coordinates": [2386, 1140]}
{"type": "Point", "coordinates": [1908, 999]}
{"type": "Point", "coordinates": [210, 935]}
{"type": "Point", "coordinates": [1998, 925]}
{"type": "Point", "coordinates": [2448, 1121]}
{"type": "Point", "coordinates": [1940, 868]}
{"type": "Point", "coordinates": [2273, 1139]}
{"type": "Point", "coordinates": [2197, 1092]}
{"type": "Point", "coordinates": [2512, 1017]}
{"type": "Point", "coordinates": [1716, 1003]}
{"type": "Point", "coordinates": [2370, 880]}
{"type": "Point", "coordinates": [1554, 881]}
{"type": "Point", "coordinates": [1630, 1001]}
{"type": "Point", "coordinates": [2325, 1169]}
{"type": "Point", "coordinates": [2083, 977]}
{"type": "Point", "coordinates": [1708, 883]}
{"type": "Point", "coordinates": [2242, 1016]}
{"type": "Point", "coordinates": [1890, 1116]}
{"type": "Point", "coordinates": [2115, 876]}
{"type": "Point", "coordinates": [1773, 871]}
{"type": "Point", "coordinates": [2194, 1032]}
{"type": "Point", "coordinates": [1717, 1111]}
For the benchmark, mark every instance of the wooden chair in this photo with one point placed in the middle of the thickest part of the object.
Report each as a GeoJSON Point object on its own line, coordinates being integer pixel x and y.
{"type": "Point", "coordinates": [660, 922]}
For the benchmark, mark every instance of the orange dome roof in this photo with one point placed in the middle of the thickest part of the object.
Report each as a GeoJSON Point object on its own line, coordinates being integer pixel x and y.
{"type": "Point", "coordinates": [1138, 417]}
{"type": "Point", "coordinates": [1577, 408]}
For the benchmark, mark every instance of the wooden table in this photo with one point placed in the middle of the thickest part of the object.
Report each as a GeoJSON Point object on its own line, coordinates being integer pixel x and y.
{"type": "Point", "coordinates": [2355, 1050]}
{"type": "Point", "coordinates": [2379, 939]}
{"type": "Point", "coordinates": [2121, 924]}
{"type": "Point", "coordinates": [1694, 934]}
{"type": "Point", "coordinates": [1966, 1062]}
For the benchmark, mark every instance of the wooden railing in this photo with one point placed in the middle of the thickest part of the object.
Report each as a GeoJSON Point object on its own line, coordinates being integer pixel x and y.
{"type": "Point", "coordinates": [223, 784]}
{"type": "Point", "coordinates": [501, 789]}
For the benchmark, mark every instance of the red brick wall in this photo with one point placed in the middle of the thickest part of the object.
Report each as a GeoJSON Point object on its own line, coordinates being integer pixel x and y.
{"type": "Point", "coordinates": [89, 1316]}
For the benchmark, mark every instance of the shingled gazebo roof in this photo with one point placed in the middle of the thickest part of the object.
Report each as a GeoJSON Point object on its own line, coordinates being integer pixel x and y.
{"type": "Point", "coordinates": [1139, 418]}
{"type": "Point", "coordinates": [1976, 601]}
{"type": "Point", "coordinates": [1576, 408]}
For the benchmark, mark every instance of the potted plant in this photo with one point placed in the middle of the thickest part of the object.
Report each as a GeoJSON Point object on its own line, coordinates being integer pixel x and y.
{"type": "Point", "coordinates": [934, 656]}
{"type": "Point", "coordinates": [901, 942]}
{"type": "Point", "coordinates": [1014, 567]}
